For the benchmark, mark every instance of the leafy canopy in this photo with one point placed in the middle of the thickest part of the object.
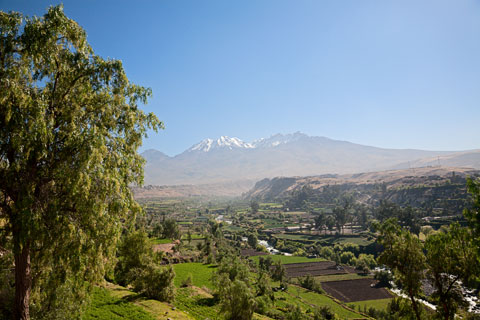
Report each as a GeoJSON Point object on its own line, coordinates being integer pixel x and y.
{"type": "Point", "coordinates": [70, 127]}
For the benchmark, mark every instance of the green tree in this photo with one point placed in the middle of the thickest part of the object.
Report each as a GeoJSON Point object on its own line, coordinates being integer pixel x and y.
{"type": "Point", "coordinates": [237, 301]}
{"type": "Point", "coordinates": [254, 206]}
{"type": "Point", "coordinates": [341, 212]}
{"type": "Point", "coordinates": [263, 285]}
{"type": "Point", "coordinates": [232, 283]}
{"type": "Point", "coordinates": [278, 272]}
{"type": "Point", "coordinates": [170, 229]}
{"type": "Point", "coordinates": [265, 264]}
{"type": "Point", "coordinates": [134, 252]}
{"type": "Point", "coordinates": [320, 221]}
{"type": "Point", "coordinates": [70, 127]}
{"type": "Point", "coordinates": [473, 212]}
{"type": "Point", "coordinates": [330, 223]}
{"type": "Point", "coordinates": [309, 282]}
{"type": "Point", "coordinates": [155, 282]}
{"type": "Point", "coordinates": [252, 240]}
{"type": "Point", "coordinates": [451, 257]}
{"type": "Point", "coordinates": [403, 254]}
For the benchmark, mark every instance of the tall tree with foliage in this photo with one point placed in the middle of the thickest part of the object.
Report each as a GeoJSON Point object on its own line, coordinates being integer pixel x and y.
{"type": "Point", "coordinates": [451, 258]}
{"type": "Point", "coordinates": [319, 220]}
{"type": "Point", "coordinates": [403, 254]}
{"type": "Point", "coordinates": [473, 212]}
{"type": "Point", "coordinates": [70, 127]}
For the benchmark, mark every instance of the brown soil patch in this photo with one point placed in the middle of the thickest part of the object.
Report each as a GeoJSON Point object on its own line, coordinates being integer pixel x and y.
{"type": "Point", "coordinates": [355, 290]}
{"type": "Point", "coordinates": [252, 253]}
{"type": "Point", "coordinates": [319, 268]}
{"type": "Point", "coordinates": [165, 247]}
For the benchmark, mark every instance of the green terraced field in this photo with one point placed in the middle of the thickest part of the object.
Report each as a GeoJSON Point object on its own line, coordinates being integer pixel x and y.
{"type": "Point", "coordinates": [105, 306]}
{"type": "Point", "coordinates": [380, 304]}
{"type": "Point", "coordinates": [288, 259]}
{"type": "Point", "coordinates": [201, 274]}
{"type": "Point", "coordinates": [316, 299]}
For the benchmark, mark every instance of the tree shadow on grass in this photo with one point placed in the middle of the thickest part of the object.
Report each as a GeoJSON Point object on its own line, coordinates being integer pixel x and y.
{"type": "Point", "coordinates": [208, 302]}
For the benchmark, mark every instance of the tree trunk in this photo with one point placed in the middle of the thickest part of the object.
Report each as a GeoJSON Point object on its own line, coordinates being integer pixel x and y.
{"type": "Point", "coordinates": [415, 306]}
{"type": "Point", "coordinates": [23, 282]}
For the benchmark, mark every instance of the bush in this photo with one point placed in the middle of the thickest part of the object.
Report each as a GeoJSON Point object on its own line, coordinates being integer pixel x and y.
{"type": "Point", "coordinates": [187, 282]}
{"type": "Point", "coordinates": [362, 266]}
{"type": "Point", "coordinates": [384, 278]}
{"type": "Point", "coordinates": [155, 282]}
{"type": "Point", "coordinates": [327, 253]}
{"type": "Point", "coordinates": [324, 313]}
{"type": "Point", "coordinates": [346, 257]}
{"type": "Point", "coordinates": [310, 283]}
{"type": "Point", "coordinates": [134, 252]}
{"type": "Point", "coordinates": [365, 262]}
{"type": "Point", "coordinates": [369, 259]}
{"type": "Point", "coordinates": [237, 301]}
{"type": "Point", "coordinates": [262, 304]}
{"type": "Point", "coordinates": [295, 313]}
{"type": "Point", "coordinates": [352, 247]}
{"type": "Point", "coordinates": [278, 271]}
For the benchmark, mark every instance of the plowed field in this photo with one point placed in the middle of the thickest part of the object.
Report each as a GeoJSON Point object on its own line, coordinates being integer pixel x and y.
{"type": "Point", "coordinates": [355, 290]}
{"type": "Point", "coordinates": [319, 268]}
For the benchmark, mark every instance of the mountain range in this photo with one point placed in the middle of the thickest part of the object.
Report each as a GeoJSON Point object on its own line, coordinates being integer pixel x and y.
{"type": "Point", "coordinates": [224, 160]}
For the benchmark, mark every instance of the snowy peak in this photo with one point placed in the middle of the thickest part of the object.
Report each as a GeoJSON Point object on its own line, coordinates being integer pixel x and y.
{"type": "Point", "coordinates": [223, 142]}
{"type": "Point", "coordinates": [278, 139]}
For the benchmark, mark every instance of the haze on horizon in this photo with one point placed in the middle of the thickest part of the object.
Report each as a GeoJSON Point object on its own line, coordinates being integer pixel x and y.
{"type": "Point", "coordinates": [378, 73]}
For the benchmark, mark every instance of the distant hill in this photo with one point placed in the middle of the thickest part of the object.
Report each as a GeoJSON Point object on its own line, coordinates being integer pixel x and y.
{"type": "Point", "coordinates": [227, 159]}
{"type": "Point", "coordinates": [429, 188]}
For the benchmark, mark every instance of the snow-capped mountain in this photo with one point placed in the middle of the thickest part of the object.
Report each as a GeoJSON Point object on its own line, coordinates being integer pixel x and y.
{"type": "Point", "coordinates": [231, 159]}
{"type": "Point", "coordinates": [223, 142]}
{"type": "Point", "coordinates": [278, 139]}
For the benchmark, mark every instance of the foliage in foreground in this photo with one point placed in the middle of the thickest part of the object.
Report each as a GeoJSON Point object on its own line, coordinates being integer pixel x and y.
{"type": "Point", "coordinates": [70, 127]}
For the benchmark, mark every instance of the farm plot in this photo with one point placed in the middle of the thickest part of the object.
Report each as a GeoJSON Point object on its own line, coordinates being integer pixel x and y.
{"type": "Point", "coordinates": [252, 253]}
{"type": "Point", "coordinates": [355, 290]}
{"type": "Point", "coordinates": [319, 268]}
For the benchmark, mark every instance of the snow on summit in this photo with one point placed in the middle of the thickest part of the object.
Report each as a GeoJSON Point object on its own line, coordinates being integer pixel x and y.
{"type": "Point", "coordinates": [223, 142]}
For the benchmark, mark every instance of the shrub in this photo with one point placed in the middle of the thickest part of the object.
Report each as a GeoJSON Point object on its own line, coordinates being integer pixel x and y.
{"type": "Point", "coordinates": [324, 313]}
{"type": "Point", "coordinates": [310, 283]}
{"type": "Point", "coordinates": [384, 278]}
{"type": "Point", "coordinates": [295, 313]}
{"type": "Point", "coordinates": [352, 247]}
{"type": "Point", "coordinates": [346, 257]}
{"type": "Point", "coordinates": [237, 301]}
{"type": "Point", "coordinates": [134, 252]}
{"type": "Point", "coordinates": [155, 282]}
{"type": "Point", "coordinates": [278, 271]}
{"type": "Point", "coordinates": [327, 253]}
{"type": "Point", "coordinates": [187, 282]}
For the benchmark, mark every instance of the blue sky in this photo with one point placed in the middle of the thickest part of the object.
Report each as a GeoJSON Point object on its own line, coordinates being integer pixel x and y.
{"type": "Point", "coordinates": [398, 74]}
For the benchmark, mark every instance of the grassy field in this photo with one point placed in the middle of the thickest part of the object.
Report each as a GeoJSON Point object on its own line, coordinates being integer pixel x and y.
{"type": "Point", "coordinates": [197, 305]}
{"type": "Point", "coordinates": [288, 259]}
{"type": "Point", "coordinates": [105, 306]}
{"type": "Point", "coordinates": [194, 236]}
{"type": "Point", "coordinates": [201, 274]}
{"type": "Point", "coordinates": [160, 241]}
{"type": "Point", "coordinates": [116, 302]}
{"type": "Point", "coordinates": [380, 304]}
{"type": "Point", "coordinates": [311, 298]}
{"type": "Point", "coordinates": [361, 241]}
{"type": "Point", "coordinates": [338, 277]}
